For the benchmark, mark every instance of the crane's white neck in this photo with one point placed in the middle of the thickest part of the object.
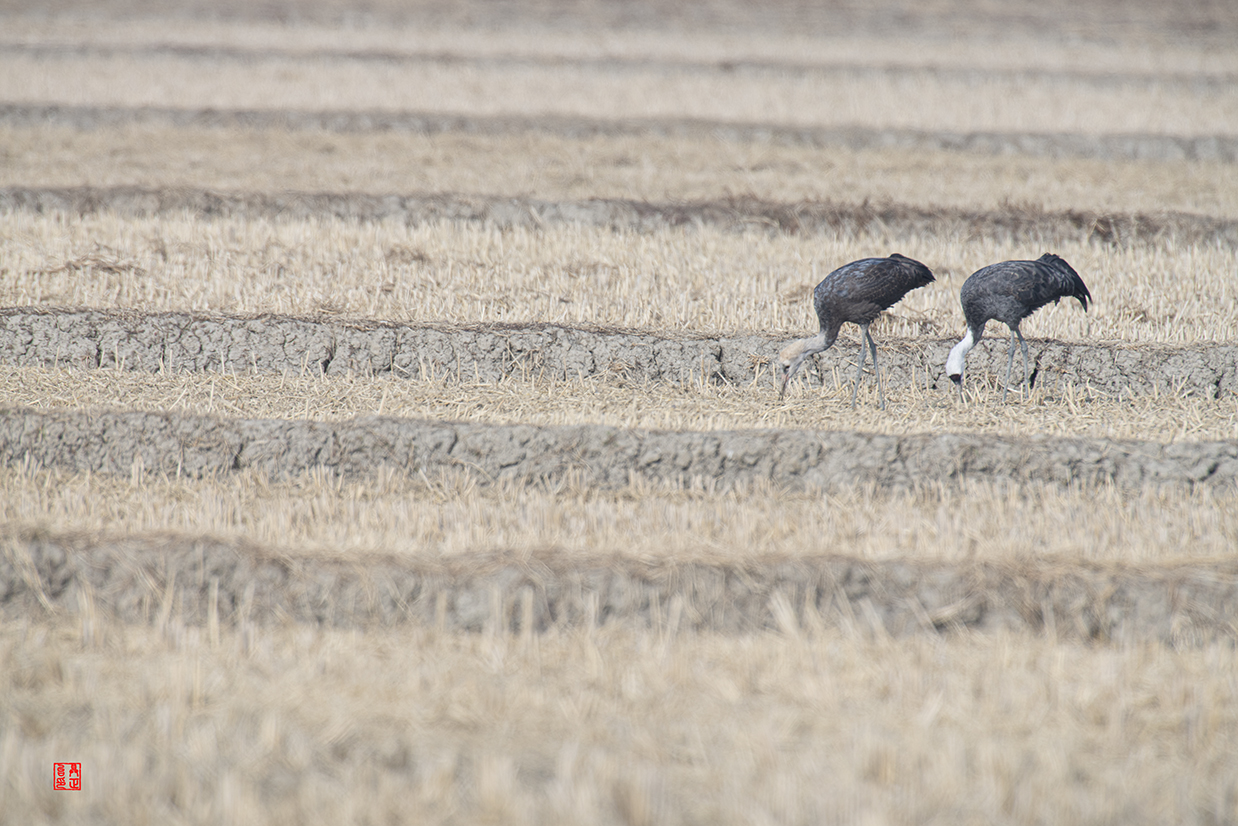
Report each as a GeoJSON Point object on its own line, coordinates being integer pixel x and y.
{"type": "Point", "coordinates": [954, 364]}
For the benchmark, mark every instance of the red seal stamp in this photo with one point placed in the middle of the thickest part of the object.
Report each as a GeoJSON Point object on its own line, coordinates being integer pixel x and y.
{"type": "Point", "coordinates": [67, 777]}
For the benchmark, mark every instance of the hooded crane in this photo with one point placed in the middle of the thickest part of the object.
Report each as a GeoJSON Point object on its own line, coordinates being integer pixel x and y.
{"type": "Point", "coordinates": [1009, 292]}
{"type": "Point", "coordinates": [855, 292]}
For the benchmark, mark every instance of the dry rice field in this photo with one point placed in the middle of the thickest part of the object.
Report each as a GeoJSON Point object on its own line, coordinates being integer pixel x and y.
{"type": "Point", "coordinates": [388, 431]}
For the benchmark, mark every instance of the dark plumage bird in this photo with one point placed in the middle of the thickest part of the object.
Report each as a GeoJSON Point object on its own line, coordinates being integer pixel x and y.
{"type": "Point", "coordinates": [856, 292]}
{"type": "Point", "coordinates": [1009, 292]}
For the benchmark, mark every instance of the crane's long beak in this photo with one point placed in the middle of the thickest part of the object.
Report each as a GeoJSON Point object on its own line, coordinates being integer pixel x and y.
{"type": "Point", "coordinates": [784, 375]}
{"type": "Point", "coordinates": [958, 382]}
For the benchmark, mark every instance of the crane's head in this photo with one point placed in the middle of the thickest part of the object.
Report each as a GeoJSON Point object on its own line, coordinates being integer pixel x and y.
{"type": "Point", "coordinates": [957, 378]}
{"type": "Point", "coordinates": [793, 355]}
{"type": "Point", "coordinates": [789, 361]}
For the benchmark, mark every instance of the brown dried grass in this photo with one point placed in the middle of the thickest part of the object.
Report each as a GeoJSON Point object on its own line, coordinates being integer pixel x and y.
{"type": "Point", "coordinates": [606, 725]}
{"type": "Point", "coordinates": [700, 279]}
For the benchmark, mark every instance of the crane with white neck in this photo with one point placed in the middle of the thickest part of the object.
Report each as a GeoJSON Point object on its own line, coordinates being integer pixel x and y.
{"type": "Point", "coordinates": [1009, 292]}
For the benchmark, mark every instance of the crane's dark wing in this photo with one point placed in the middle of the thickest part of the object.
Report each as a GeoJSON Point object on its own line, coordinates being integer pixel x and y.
{"type": "Point", "coordinates": [859, 291]}
{"type": "Point", "coordinates": [1064, 276]}
{"type": "Point", "coordinates": [1013, 290]}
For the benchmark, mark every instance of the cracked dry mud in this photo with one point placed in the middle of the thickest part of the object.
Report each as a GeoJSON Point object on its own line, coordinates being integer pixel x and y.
{"type": "Point", "coordinates": [1179, 605]}
{"type": "Point", "coordinates": [595, 455]}
{"type": "Point", "coordinates": [135, 577]}
{"type": "Point", "coordinates": [88, 339]}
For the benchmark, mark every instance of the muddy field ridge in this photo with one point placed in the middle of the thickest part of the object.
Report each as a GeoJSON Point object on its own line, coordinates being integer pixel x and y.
{"type": "Point", "coordinates": [184, 341]}
{"type": "Point", "coordinates": [192, 580]}
{"type": "Point", "coordinates": [195, 446]}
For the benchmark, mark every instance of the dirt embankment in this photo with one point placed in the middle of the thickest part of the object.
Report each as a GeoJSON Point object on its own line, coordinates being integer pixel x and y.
{"type": "Point", "coordinates": [87, 339]}
{"type": "Point", "coordinates": [595, 455]}
{"type": "Point", "coordinates": [190, 580]}
{"type": "Point", "coordinates": [1124, 146]}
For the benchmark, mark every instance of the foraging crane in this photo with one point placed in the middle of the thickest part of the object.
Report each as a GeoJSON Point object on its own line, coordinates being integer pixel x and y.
{"type": "Point", "coordinates": [855, 292]}
{"type": "Point", "coordinates": [1009, 292]}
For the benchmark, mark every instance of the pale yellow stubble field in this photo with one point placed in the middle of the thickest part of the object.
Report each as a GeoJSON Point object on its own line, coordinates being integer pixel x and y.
{"type": "Point", "coordinates": [294, 723]}
{"type": "Point", "coordinates": [638, 167]}
{"type": "Point", "coordinates": [277, 724]}
{"type": "Point", "coordinates": [1066, 84]}
{"type": "Point", "coordinates": [920, 101]}
{"type": "Point", "coordinates": [1147, 52]}
{"type": "Point", "coordinates": [698, 280]}
{"type": "Point", "coordinates": [459, 516]}
{"type": "Point", "coordinates": [1107, 87]}
{"type": "Point", "coordinates": [318, 514]}
{"type": "Point", "coordinates": [614, 400]}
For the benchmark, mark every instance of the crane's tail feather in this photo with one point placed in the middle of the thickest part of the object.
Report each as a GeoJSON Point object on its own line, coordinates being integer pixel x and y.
{"type": "Point", "coordinates": [1077, 288]}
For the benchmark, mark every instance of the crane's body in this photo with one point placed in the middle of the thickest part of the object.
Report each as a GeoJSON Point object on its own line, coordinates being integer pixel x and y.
{"type": "Point", "coordinates": [1009, 292]}
{"type": "Point", "coordinates": [857, 293]}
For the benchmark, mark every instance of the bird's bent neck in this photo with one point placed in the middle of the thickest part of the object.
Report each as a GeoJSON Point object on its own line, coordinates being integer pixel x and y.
{"type": "Point", "coordinates": [817, 343]}
{"type": "Point", "coordinates": [954, 364]}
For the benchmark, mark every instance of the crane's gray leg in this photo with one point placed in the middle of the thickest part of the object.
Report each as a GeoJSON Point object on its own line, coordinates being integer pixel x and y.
{"type": "Point", "coordinates": [1009, 364]}
{"type": "Point", "coordinates": [859, 373]}
{"type": "Point", "coordinates": [873, 346]}
{"type": "Point", "coordinates": [1027, 389]}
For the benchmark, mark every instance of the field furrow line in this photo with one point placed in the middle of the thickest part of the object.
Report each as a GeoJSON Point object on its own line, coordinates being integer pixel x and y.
{"type": "Point", "coordinates": [1110, 146]}
{"type": "Point", "coordinates": [607, 457]}
{"type": "Point", "coordinates": [200, 342]}
{"type": "Point", "coordinates": [903, 221]}
{"type": "Point", "coordinates": [215, 52]}
{"type": "Point", "coordinates": [137, 578]}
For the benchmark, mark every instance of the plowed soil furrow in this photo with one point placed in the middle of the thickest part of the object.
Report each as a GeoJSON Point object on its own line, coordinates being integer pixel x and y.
{"type": "Point", "coordinates": [597, 455]}
{"type": "Point", "coordinates": [1198, 81]}
{"type": "Point", "coordinates": [897, 220]}
{"type": "Point", "coordinates": [1132, 146]}
{"type": "Point", "coordinates": [88, 339]}
{"type": "Point", "coordinates": [140, 578]}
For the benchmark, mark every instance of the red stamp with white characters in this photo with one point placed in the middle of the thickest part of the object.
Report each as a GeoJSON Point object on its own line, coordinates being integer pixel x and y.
{"type": "Point", "coordinates": [67, 777]}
